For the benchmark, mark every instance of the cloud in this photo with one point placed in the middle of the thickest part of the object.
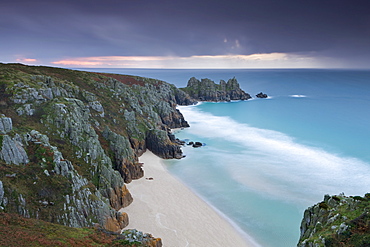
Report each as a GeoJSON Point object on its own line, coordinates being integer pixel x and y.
{"type": "Point", "coordinates": [260, 60]}
{"type": "Point", "coordinates": [237, 44]}
{"type": "Point", "coordinates": [113, 61]}
{"type": "Point", "coordinates": [229, 27]}
{"type": "Point", "coordinates": [26, 60]}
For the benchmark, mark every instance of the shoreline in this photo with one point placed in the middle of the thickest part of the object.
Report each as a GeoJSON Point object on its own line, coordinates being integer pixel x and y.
{"type": "Point", "coordinates": [166, 208]}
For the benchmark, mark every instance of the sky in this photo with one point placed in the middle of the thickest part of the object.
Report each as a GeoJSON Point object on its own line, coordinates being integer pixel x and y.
{"type": "Point", "coordinates": [186, 34]}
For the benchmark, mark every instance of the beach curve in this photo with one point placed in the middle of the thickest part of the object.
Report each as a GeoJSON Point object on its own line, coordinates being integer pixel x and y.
{"type": "Point", "coordinates": [166, 208]}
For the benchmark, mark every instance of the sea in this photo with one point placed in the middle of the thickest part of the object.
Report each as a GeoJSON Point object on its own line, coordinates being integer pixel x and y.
{"type": "Point", "coordinates": [264, 161]}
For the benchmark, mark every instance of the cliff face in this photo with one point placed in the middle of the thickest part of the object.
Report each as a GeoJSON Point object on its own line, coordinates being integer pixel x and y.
{"type": "Point", "coordinates": [337, 221]}
{"type": "Point", "coordinates": [70, 140]}
{"type": "Point", "coordinates": [207, 90]}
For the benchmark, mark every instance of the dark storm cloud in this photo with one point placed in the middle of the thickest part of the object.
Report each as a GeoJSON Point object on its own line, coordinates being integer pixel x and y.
{"type": "Point", "coordinates": [53, 29]}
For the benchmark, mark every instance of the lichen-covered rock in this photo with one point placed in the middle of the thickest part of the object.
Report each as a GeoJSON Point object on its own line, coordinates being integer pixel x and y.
{"type": "Point", "coordinates": [72, 122]}
{"type": "Point", "coordinates": [145, 239]}
{"type": "Point", "coordinates": [159, 143]}
{"type": "Point", "coordinates": [1, 194]}
{"type": "Point", "coordinates": [337, 221]}
{"type": "Point", "coordinates": [83, 205]}
{"type": "Point", "coordinates": [26, 109]}
{"type": "Point", "coordinates": [125, 159]}
{"type": "Point", "coordinates": [171, 118]}
{"type": "Point", "coordinates": [208, 90]}
{"type": "Point", "coordinates": [96, 105]}
{"type": "Point", "coordinates": [183, 98]}
{"type": "Point", "coordinates": [5, 124]}
{"type": "Point", "coordinates": [12, 151]}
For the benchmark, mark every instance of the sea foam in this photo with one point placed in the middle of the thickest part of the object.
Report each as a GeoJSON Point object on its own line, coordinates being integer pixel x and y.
{"type": "Point", "coordinates": [273, 163]}
{"type": "Point", "coordinates": [298, 96]}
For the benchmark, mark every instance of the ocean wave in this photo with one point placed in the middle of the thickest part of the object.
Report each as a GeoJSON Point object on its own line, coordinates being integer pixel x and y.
{"type": "Point", "coordinates": [273, 163]}
{"type": "Point", "coordinates": [298, 96]}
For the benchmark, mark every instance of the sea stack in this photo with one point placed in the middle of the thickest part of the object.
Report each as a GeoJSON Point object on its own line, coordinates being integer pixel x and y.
{"type": "Point", "coordinates": [208, 90]}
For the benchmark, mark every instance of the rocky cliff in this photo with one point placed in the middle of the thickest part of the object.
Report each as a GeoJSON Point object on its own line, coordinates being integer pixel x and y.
{"type": "Point", "coordinates": [208, 90]}
{"type": "Point", "coordinates": [70, 140]}
{"type": "Point", "coordinates": [337, 221]}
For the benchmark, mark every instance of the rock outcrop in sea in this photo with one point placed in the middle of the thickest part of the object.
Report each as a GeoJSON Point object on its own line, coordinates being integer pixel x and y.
{"type": "Point", "coordinates": [338, 220]}
{"type": "Point", "coordinates": [261, 95]}
{"type": "Point", "coordinates": [208, 90]}
{"type": "Point", "coordinates": [70, 140]}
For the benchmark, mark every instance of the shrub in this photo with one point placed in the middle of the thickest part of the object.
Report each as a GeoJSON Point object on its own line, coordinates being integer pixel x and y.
{"type": "Point", "coordinates": [367, 195]}
{"type": "Point", "coordinates": [358, 198]}
{"type": "Point", "coordinates": [337, 198]}
{"type": "Point", "coordinates": [323, 205]}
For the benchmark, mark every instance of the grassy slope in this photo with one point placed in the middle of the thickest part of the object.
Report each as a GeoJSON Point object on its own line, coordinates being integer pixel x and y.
{"type": "Point", "coordinates": [18, 231]}
{"type": "Point", "coordinates": [358, 233]}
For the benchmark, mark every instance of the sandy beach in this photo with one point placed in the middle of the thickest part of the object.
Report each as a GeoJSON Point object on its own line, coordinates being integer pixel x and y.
{"type": "Point", "coordinates": [166, 208]}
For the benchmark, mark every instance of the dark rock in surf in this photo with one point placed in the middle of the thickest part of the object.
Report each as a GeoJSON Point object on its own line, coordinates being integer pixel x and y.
{"type": "Point", "coordinates": [197, 145]}
{"type": "Point", "coordinates": [261, 95]}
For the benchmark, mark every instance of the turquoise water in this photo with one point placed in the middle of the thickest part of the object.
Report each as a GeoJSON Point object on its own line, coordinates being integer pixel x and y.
{"type": "Point", "coordinates": [266, 160]}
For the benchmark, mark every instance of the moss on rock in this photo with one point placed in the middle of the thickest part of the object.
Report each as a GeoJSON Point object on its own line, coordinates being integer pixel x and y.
{"type": "Point", "coordinates": [337, 221]}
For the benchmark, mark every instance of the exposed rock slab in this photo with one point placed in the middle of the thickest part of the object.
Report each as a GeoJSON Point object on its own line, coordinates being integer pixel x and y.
{"type": "Point", "coordinates": [5, 124]}
{"type": "Point", "coordinates": [159, 143]}
{"type": "Point", "coordinates": [12, 151]}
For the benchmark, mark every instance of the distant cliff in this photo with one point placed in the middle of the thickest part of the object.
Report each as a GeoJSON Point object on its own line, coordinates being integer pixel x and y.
{"type": "Point", "coordinates": [337, 221]}
{"type": "Point", "coordinates": [70, 140]}
{"type": "Point", "coordinates": [208, 90]}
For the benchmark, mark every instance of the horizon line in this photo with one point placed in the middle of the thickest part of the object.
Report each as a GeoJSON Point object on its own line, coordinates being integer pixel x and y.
{"type": "Point", "coordinates": [190, 68]}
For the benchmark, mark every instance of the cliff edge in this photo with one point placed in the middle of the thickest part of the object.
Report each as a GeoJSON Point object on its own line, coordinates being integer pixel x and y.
{"type": "Point", "coordinates": [338, 220]}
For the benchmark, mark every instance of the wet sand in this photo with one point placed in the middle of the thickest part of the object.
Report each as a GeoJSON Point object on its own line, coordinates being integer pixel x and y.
{"type": "Point", "coordinates": [166, 208]}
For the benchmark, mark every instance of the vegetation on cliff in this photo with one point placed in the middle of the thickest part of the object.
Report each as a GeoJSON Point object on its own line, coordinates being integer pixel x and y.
{"type": "Point", "coordinates": [70, 140]}
{"type": "Point", "coordinates": [16, 230]}
{"type": "Point", "coordinates": [337, 221]}
{"type": "Point", "coordinates": [208, 90]}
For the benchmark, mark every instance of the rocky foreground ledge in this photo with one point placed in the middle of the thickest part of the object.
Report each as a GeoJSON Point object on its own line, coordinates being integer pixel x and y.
{"type": "Point", "coordinates": [338, 220]}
